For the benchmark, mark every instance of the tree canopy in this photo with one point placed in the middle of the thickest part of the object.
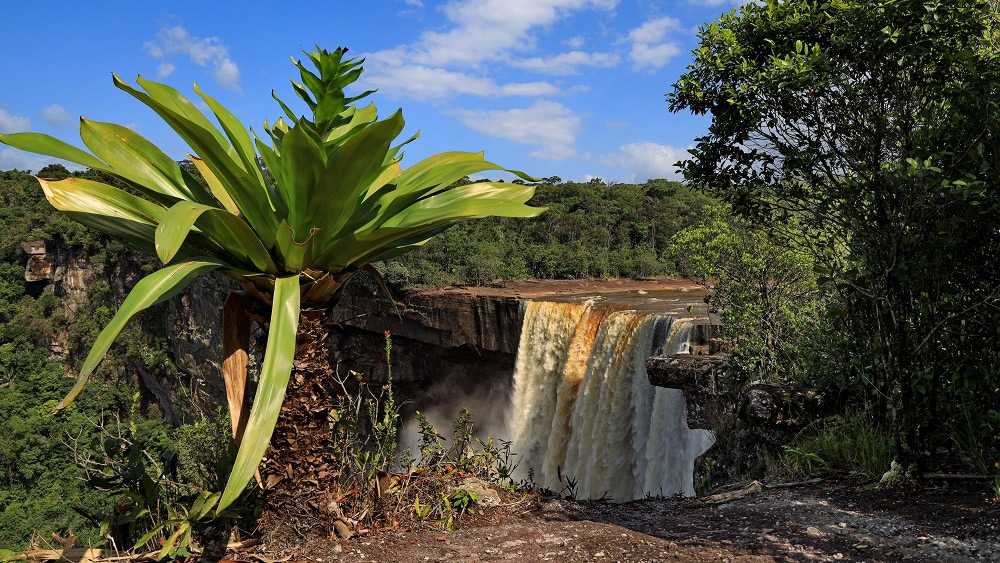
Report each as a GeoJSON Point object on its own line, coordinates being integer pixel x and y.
{"type": "Point", "coordinates": [873, 125]}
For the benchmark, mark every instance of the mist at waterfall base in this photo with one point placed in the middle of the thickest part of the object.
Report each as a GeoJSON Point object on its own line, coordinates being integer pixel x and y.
{"type": "Point", "coordinates": [580, 408]}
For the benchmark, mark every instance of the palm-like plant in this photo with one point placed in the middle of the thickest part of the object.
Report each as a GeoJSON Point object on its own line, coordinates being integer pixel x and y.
{"type": "Point", "coordinates": [291, 220]}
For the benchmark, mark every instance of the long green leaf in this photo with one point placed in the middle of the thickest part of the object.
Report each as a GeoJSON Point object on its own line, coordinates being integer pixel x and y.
{"type": "Point", "coordinates": [302, 164]}
{"type": "Point", "coordinates": [276, 369]}
{"type": "Point", "coordinates": [349, 174]}
{"type": "Point", "coordinates": [108, 209]}
{"type": "Point", "coordinates": [50, 146]}
{"type": "Point", "coordinates": [152, 289]}
{"type": "Point", "coordinates": [218, 154]}
{"type": "Point", "coordinates": [221, 226]}
{"type": "Point", "coordinates": [430, 176]}
{"type": "Point", "coordinates": [472, 200]}
{"type": "Point", "coordinates": [136, 159]}
{"type": "Point", "coordinates": [216, 187]}
{"type": "Point", "coordinates": [237, 134]}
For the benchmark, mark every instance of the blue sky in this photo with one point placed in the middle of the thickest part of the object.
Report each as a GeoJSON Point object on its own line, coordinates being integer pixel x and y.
{"type": "Point", "coordinates": [569, 88]}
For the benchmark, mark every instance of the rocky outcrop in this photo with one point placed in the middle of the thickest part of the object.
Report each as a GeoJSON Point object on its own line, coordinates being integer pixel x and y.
{"type": "Point", "coordinates": [687, 372]}
{"type": "Point", "coordinates": [60, 271]}
{"type": "Point", "coordinates": [751, 420]}
{"type": "Point", "coordinates": [444, 345]}
{"type": "Point", "coordinates": [448, 320]}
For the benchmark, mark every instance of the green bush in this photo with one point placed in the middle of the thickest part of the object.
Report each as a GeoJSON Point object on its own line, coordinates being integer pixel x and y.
{"type": "Point", "coordinates": [852, 442]}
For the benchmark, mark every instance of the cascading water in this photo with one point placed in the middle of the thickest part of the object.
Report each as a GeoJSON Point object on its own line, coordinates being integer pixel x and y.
{"type": "Point", "coordinates": [583, 408]}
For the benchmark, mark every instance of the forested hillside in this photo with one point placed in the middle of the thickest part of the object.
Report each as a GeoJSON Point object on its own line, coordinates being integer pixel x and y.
{"type": "Point", "coordinates": [44, 332]}
{"type": "Point", "coordinates": [591, 230]}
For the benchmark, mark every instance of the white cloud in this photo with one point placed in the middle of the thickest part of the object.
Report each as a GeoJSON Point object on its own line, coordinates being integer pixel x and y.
{"type": "Point", "coordinates": [165, 70]}
{"type": "Point", "coordinates": [575, 43]}
{"type": "Point", "coordinates": [552, 126]}
{"type": "Point", "coordinates": [202, 51]}
{"type": "Point", "coordinates": [227, 75]}
{"type": "Point", "coordinates": [414, 3]}
{"type": "Point", "coordinates": [13, 159]}
{"type": "Point", "coordinates": [566, 63]}
{"type": "Point", "coordinates": [55, 114]}
{"type": "Point", "coordinates": [434, 83]}
{"type": "Point", "coordinates": [646, 160]}
{"type": "Point", "coordinates": [650, 46]}
{"type": "Point", "coordinates": [480, 31]}
{"type": "Point", "coordinates": [490, 29]}
{"type": "Point", "coordinates": [10, 123]}
{"type": "Point", "coordinates": [533, 89]}
{"type": "Point", "coordinates": [425, 83]}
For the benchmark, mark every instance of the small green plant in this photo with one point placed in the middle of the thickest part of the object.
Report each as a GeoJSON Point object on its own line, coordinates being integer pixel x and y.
{"type": "Point", "coordinates": [569, 484]}
{"type": "Point", "coordinates": [463, 501]}
{"type": "Point", "coordinates": [500, 464]}
{"type": "Point", "coordinates": [847, 442]}
{"type": "Point", "coordinates": [809, 462]}
{"type": "Point", "coordinates": [364, 427]}
{"type": "Point", "coordinates": [431, 451]}
{"type": "Point", "coordinates": [156, 505]}
{"type": "Point", "coordinates": [421, 511]}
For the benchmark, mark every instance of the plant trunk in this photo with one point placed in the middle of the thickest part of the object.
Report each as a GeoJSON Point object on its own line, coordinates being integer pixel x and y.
{"type": "Point", "coordinates": [298, 473]}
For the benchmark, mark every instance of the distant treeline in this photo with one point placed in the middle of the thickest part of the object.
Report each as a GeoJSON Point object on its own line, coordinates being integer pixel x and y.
{"type": "Point", "coordinates": [591, 230]}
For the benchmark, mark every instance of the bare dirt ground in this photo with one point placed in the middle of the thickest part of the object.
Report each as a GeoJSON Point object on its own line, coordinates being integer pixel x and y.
{"type": "Point", "coordinates": [830, 521]}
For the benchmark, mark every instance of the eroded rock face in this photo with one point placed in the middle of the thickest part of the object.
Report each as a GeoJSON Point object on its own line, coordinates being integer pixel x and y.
{"type": "Point", "coordinates": [751, 420]}
{"type": "Point", "coordinates": [444, 346]}
{"type": "Point", "coordinates": [62, 272]}
{"type": "Point", "coordinates": [687, 372]}
{"type": "Point", "coordinates": [194, 330]}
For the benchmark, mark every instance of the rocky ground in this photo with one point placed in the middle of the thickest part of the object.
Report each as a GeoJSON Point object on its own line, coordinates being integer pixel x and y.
{"type": "Point", "coordinates": [827, 521]}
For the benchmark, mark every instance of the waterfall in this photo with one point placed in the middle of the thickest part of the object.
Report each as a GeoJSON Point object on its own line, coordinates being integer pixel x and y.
{"type": "Point", "coordinates": [583, 407]}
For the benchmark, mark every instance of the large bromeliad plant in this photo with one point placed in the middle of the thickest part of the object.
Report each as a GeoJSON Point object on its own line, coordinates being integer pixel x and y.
{"type": "Point", "coordinates": [291, 219]}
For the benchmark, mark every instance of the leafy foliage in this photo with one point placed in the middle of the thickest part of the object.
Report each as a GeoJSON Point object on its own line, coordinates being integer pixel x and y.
{"type": "Point", "coordinates": [866, 134]}
{"type": "Point", "coordinates": [766, 294]}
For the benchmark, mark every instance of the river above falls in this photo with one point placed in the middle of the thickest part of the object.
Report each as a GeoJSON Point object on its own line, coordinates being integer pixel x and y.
{"type": "Point", "coordinates": [678, 297]}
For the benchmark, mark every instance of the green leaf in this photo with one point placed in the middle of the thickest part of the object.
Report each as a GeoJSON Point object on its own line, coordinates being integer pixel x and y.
{"type": "Point", "coordinates": [105, 208]}
{"type": "Point", "coordinates": [203, 504]}
{"type": "Point", "coordinates": [237, 133]}
{"type": "Point", "coordinates": [275, 371]}
{"type": "Point", "coordinates": [148, 536]}
{"type": "Point", "coordinates": [50, 146]}
{"type": "Point", "coordinates": [472, 200]}
{"type": "Point", "coordinates": [152, 289]}
{"type": "Point", "coordinates": [214, 185]}
{"type": "Point", "coordinates": [432, 175]}
{"type": "Point", "coordinates": [302, 164]}
{"type": "Point", "coordinates": [218, 155]}
{"type": "Point", "coordinates": [348, 176]}
{"type": "Point", "coordinates": [221, 226]}
{"type": "Point", "coordinates": [137, 160]}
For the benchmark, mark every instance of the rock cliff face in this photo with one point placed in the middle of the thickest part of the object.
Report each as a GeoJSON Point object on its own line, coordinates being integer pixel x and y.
{"type": "Point", "coordinates": [66, 274]}
{"type": "Point", "coordinates": [191, 320]}
{"type": "Point", "coordinates": [193, 324]}
{"type": "Point", "coordinates": [444, 345]}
